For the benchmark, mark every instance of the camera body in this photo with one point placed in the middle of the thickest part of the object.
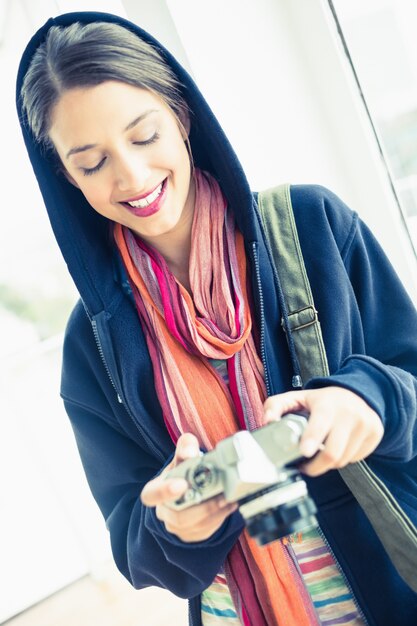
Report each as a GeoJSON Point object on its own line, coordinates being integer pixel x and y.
{"type": "Point", "coordinates": [258, 471]}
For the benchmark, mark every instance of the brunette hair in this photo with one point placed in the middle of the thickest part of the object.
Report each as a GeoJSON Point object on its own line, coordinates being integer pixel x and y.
{"type": "Point", "coordinates": [85, 55]}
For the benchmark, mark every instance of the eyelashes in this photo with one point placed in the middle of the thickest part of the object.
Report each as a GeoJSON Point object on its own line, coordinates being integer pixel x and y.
{"type": "Point", "coordinates": [152, 139]}
{"type": "Point", "coordinates": [88, 171]}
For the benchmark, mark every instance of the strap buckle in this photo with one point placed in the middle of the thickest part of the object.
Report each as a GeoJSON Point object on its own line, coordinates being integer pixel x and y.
{"type": "Point", "coordinates": [302, 318]}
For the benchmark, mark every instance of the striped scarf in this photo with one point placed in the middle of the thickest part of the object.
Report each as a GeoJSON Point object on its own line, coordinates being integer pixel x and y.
{"type": "Point", "coordinates": [183, 333]}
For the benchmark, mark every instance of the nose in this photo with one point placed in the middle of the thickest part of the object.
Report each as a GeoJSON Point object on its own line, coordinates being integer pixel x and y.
{"type": "Point", "coordinates": [132, 174]}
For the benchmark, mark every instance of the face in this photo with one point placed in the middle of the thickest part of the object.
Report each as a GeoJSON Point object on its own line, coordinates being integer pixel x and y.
{"type": "Point", "coordinates": [124, 149]}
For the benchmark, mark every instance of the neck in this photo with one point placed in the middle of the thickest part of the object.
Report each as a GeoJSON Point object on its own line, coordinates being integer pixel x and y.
{"type": "Point", "coordinates": [178, 261]}
{"type": "Point", "coordinates": [175, 245]}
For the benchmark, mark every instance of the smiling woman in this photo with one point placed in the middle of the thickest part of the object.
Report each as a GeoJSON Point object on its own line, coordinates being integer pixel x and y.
{"type": "Point", "coordinates": [181, 336]}
{"type": "Point", "coordinates": [124, 148]}
{"type": "Point", "coordinates": [124, 123]}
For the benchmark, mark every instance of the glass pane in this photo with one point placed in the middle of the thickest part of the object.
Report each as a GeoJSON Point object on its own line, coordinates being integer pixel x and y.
{"type": "Point", "coordinates": [380, 36]}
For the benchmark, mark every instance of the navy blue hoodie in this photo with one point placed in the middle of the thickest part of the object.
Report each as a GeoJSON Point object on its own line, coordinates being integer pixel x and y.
{"type": "Point", "coordinates": [370, 331]}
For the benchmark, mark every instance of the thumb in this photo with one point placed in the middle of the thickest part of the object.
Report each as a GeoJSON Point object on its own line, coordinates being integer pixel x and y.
{"type": "Point", "coordinates": [277, 406]}
{"type": "Point", "coordinates": [187, 448]}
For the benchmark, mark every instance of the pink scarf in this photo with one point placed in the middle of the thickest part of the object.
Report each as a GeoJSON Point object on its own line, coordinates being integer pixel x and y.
{"type": "Point", "coordinates": [182, 334]}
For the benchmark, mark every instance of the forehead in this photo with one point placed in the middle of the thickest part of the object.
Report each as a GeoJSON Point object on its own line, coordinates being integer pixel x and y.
{"type": "Point", "coordinates": [86, 114]}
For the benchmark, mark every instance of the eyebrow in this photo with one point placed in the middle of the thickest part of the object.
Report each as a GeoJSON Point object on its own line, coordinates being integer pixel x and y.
{"type": "Point", "coordinates": [131, 125]}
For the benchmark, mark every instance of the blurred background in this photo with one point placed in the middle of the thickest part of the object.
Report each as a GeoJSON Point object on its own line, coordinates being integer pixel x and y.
{"type": "Point", "coordinates": [308, 91]}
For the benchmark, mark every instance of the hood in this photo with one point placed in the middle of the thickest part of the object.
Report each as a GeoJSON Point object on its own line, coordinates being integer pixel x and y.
{"type": "Point", "coordinates": [82, 234]}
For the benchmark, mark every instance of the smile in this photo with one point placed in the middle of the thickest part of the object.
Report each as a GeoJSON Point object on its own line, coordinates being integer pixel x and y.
{"type": "Point", "coordinates": [149, 204]}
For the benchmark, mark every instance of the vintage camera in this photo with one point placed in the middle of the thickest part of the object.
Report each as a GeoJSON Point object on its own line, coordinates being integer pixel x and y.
{"type": "Point", "coordinates": [258, 471]}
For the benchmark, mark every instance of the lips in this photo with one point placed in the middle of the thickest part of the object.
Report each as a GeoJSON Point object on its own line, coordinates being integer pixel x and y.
{"type": "Point", "coordinates": [153, 206]}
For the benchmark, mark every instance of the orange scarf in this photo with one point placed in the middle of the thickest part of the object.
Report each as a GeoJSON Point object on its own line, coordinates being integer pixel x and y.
{"type": "Point", "coordinates": [182, 334]}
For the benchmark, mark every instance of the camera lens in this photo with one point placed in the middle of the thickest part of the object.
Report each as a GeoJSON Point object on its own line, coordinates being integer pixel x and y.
{"type": "Point", "coordinates": [279, 510]}
{"type": "Point", "coordinates": [282, 521]}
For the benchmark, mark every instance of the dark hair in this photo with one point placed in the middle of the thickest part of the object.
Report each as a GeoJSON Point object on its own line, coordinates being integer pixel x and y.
{"type": "Point", "coordinates": [85, 55]}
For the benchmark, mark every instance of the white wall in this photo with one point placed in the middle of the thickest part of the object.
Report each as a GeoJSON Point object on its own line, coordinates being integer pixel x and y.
{"type": "Point", "coordinates": [275, 75]}
{"type": "Point", "coordinates": [155, 18]}
{"type": "Point", "coordinates": [51, 531]}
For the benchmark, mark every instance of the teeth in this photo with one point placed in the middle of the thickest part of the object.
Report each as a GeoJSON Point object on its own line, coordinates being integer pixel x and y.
{"type": "Point", "coordinates": [144, 202]}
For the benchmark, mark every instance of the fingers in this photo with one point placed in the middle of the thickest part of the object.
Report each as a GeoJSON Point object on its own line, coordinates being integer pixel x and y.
{"type": "Point", "coordinates": [187, 448]}
{"type": "Point", "coordinates": [192, 516]}
{"type": "Point", "coordinates": [194, 523]}
{"type": "Point", "coordinates": [318, 428]}
{"type": "Point", "coordinates": [320, 419]}
{"type": "Point", "coordinates": [335, 453]}
{"type": "Point", "coordinates": [290, 402]}
{"type": "Point", "coordinates": [160, 489]}
{"type": "Point", "coordinates": [198, 522]}
{"type": "Point", "coordinates": [337, 456]}
{"type": "Point", "coordinates": [342, 428]}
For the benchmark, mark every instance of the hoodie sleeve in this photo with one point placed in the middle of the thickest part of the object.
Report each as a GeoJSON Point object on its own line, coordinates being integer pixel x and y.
{"type": "Point", "coordinates": [385, 375]}
{"type": "Point", "coordinates": [117, 466]}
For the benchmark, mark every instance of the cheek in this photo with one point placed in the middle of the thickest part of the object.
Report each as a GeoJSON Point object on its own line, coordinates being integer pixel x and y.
{"type": "Point", "coordinates": [174, 155]}
{"type": "Point", "coordinates": [97, 196]}
{"type": "Point", "coordinates": [183, 170]}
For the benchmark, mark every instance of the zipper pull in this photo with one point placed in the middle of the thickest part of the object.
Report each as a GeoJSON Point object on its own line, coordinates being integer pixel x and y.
{"type": "Point", "coordinates": [297, 382]}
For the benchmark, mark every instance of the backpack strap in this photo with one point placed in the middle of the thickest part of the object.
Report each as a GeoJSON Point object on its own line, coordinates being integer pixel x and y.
{"type": "Point", "coordinates": [279, 224]}
{"type": "Point", "coordinates": [394, 528]}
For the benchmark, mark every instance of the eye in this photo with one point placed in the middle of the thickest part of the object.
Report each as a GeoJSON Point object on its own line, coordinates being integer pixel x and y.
{"type": "Point", "coordinates": [152, 139]}
{"type": "Point", "coordinates": [88, 171]}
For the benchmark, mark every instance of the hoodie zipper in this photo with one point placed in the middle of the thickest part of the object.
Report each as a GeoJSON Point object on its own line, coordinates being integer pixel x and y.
{"type": "Point", "coordinates": [151, 445]}
{"type": "Point", "coordinates": [194, 611]}
{"type": "Point", "coordinates": [103, 358]}
{"type": "Point", "coordinates": [341, 572]}
{"type": "Point", "coordinates": [261, 316]}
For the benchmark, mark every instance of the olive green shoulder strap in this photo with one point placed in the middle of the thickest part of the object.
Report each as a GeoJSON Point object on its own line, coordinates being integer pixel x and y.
{"type": "Point", "coordinates": [278, 220]}
{"type": "Point", "coordinates": [394, 528]}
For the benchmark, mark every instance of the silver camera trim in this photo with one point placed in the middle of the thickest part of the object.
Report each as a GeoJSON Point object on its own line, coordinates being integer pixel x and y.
{"type": "Point", "coordinates": [243, 463]}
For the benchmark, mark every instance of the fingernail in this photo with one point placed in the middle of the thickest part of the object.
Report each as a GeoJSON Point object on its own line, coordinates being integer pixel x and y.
{"type": "Point", "coordinates": [270, 416]}
{"type": "Point", "coordinates": [308, 447]}
{"type": "Point", "coordinates": [189, 452]}
{"type": "Point", "coordinates": [177, 486]}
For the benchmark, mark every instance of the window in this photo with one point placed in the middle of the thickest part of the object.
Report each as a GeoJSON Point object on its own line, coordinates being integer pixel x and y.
{"type": "Point", "coordinates": [379, 37]}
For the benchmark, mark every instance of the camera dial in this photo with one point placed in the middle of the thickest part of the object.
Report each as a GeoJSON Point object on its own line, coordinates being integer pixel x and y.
{"type": "Point", "coordinates": [203, 476]}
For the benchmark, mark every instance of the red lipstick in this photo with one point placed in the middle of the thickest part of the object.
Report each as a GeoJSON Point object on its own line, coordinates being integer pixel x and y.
{"type": "Point", "coordinates": [153, 207]}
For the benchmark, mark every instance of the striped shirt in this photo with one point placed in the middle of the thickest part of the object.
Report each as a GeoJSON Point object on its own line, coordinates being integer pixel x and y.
{"type": "Point", "coordinates": [322, 576]}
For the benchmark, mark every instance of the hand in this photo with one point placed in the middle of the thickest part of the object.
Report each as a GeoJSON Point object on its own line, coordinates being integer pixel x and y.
{"type": "Point", "coordinates": [341, 420]}
{"type": "Point", "coordinates": [197, 522]}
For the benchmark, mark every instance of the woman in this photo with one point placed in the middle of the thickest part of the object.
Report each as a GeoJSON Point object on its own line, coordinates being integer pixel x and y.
{"type": "Point", "coordinates": [169, 349]}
